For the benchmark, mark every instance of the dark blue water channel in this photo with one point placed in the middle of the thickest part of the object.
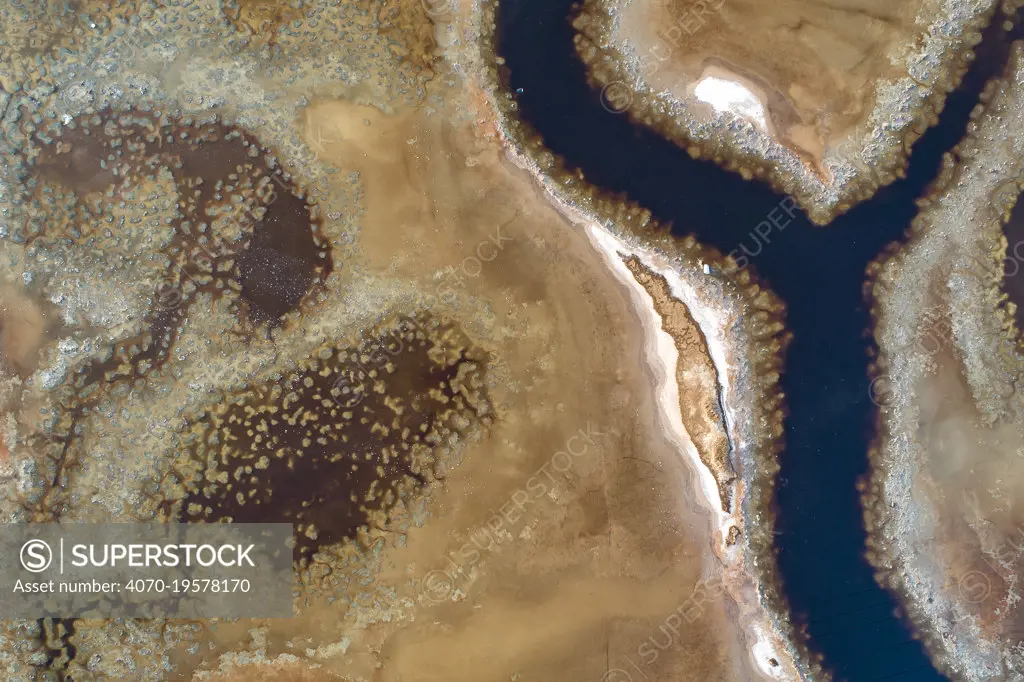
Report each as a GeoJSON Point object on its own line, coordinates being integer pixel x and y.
{"type": "Point", "coordinates": [818, 272]}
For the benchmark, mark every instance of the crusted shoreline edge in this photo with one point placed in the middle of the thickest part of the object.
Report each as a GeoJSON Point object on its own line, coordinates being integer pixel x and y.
{"type": "Point", "coordinates": [878, 154]}
{"type": "Point", "coordinates": [754, 325]}
{"type": "Point", "coordinates": [979, 191]}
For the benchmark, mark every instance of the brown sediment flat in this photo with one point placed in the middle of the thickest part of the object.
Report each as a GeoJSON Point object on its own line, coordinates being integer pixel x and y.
{"type": "Point", "coordinates": [943, 505]}
{"type": "Point", "coordinates": [277, 672]}
{"type": "Point", "coordinates": [548, 522]}
{"type": "Point", "coordinates": [562, 543]}
{"type": "Point", "coordinates": [843, 87]}
{"type": "Point", "coordinates": [699, 393]}
{"type": "Point", "coordinates": [814, 63]}
{"type": "Point", "coordinates": [742, 326]}
{"type": "Point", "coordinates": [23, 329]}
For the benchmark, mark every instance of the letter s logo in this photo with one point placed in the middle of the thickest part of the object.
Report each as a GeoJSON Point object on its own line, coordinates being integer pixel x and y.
{"type": "Point", "coordinates": [36, 556]}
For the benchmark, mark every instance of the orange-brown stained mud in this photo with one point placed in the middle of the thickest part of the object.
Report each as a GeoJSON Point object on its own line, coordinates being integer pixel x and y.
{"type": "Point", "coordinates": [822, 98]}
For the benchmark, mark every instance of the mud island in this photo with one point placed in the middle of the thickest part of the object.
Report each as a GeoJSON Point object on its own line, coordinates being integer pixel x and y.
{"type": "Point", "coordinates": [942, 501]}
{"type": "Point", "coordinates": [823, 100]}
{"type": "Point", "coordinates": [279, 265]}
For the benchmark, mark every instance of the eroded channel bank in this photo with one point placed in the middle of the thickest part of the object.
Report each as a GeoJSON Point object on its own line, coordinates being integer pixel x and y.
{"type": "Point", "coordinates": [818, 273]}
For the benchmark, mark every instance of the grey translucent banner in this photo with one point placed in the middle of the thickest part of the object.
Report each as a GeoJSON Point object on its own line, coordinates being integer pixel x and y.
{"type": "Point", "coordinates": [84, 570]}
